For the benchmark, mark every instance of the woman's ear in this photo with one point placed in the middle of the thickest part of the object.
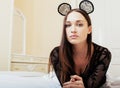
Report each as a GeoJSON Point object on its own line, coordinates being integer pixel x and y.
{"type": "Point", "coordinates": [89, 29]}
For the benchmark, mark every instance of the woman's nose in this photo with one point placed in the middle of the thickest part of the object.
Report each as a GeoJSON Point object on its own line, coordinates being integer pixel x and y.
{"type": "Point", "coordinates": [73, 29]}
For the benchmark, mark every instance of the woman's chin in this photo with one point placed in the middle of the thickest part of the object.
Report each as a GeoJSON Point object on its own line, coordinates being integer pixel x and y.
{"type": "Point", "coordinates": [74, 42]}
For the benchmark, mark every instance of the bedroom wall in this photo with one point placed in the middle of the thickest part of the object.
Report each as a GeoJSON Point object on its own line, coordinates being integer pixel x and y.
{"type": "Point", "coordinates": [48, 25]}
{"type": "Point", "coordinates": [6, 9]}
{"type": "Point", "coordinates": [40, 40]}
{"type": "Point", "coordinates": [28, 11]}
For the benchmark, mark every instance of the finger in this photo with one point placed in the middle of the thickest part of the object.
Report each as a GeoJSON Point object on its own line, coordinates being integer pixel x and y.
{"type": "Point", "coordinates": [75, 83]}
{"type": "Point", "coordinates": [78, 82]}
{"type": "Point", "coordinates": [76, 77]}
{"type": "Point", "coordinates": [72, 80]}
{"type": "Point", "coordinates": [73, 86]}
{"type": "Point", "coordinates": [66, 83]}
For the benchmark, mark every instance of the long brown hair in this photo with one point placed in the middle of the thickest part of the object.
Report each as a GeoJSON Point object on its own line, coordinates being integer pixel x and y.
{"type": "Point", "coordinates": [65, 48]}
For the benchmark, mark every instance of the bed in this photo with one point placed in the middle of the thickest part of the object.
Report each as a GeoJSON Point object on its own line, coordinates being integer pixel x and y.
{"type": "Point", "coordinates": [10, 79]}
{"type": "Point", "coordinates": [112, 82]}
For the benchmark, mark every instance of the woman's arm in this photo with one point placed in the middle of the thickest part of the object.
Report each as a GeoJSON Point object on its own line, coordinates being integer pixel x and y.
{"type": "Point", "coordinates": [54, 57]}
{"type": "Point", "coordinates": [97, 77]}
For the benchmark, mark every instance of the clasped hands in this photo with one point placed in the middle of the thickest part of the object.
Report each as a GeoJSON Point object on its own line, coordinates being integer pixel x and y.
{"type": "Point", "coordinates": [75, 82]}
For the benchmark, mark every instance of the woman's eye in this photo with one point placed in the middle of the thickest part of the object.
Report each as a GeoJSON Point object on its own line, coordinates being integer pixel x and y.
{"type": "Point", "coordinates": [68, 25]}
{"type": "Point", "coordinates": [79, 24]}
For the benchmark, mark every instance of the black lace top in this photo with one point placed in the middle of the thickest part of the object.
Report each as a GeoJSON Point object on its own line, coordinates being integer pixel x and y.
{"type": "Point", "coordinates": [94, 75]}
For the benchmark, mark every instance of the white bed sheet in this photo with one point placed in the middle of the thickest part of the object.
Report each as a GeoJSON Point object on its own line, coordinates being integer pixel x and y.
{"type": "Point", "coordinates": [28, 80]}
{"type": "Point", "coordinates": [112, 82]}
{"type": "Point", "coordinates": [41, 80]}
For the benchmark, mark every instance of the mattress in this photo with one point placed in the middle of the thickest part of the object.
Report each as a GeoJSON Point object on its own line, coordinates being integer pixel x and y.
{"type": "Point", "coordinates": [9, 79]}
{"type": "Point", "coordinates": [28, 80]}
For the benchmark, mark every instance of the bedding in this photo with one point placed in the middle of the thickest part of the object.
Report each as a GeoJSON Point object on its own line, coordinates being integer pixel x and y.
{"type": "Point", "coordinates": [112, 82]}
{"type": "Point", "coordinates": [28, 80]}
{"type": "Point", "coordinates": [9, 79]}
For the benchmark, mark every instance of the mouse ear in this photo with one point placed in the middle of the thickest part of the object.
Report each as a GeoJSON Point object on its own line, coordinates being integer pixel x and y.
{"type": "Point", "coordinates": [64, 8]}
{"type": "Point", "coordinates": [87, 6]}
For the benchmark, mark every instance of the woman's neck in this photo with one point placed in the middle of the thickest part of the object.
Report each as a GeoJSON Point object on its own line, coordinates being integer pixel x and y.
{"type": "Point", "coordinates": [80, 49]}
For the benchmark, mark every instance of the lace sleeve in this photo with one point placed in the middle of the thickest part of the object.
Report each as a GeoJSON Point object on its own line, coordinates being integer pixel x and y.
{"type": "Point", "coordinates": [99, 74]}
{"type": "Point", "coordinates": [54, 57]}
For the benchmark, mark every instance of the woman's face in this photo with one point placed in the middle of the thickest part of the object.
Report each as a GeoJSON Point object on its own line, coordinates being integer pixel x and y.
{"type": "Point", "coordinates": [77, 28]}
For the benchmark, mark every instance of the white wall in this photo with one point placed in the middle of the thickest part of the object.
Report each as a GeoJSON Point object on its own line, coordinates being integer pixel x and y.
{"type": "Point", "coordinates": [6, 8]}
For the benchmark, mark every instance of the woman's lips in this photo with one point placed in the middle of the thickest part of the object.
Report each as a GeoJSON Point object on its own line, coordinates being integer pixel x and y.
{"type": "Point", "coordinates": [73, 36]}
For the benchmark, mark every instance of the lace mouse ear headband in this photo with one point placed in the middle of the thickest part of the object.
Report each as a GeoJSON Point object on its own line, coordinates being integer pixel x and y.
{"type": "Point", "coordinates": [85, 5]}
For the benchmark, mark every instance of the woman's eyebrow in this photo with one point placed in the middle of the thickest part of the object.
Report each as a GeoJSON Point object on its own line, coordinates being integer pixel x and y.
{"type": "Point", "coordinates": [67, 22]}
{"type": "Point", "coordinates": [80, 21]}
{"type": "Point", "coordinates": [76, 21]}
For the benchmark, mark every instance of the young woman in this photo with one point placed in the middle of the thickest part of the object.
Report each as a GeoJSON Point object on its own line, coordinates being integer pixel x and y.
{"type": "Point", "coordinates": [78, 62]}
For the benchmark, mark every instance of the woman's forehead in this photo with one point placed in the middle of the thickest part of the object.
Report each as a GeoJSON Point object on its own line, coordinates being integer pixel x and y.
{"type": "Point", "coordinates": [75, 16]}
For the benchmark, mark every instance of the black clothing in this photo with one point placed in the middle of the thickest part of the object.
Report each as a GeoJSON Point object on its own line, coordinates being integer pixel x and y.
{"type": "Point", "coordinates": [94, 75]}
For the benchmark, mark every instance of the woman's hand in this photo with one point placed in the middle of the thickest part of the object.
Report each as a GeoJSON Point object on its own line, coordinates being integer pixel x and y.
{"type": "Point", "coordinates": [75, 82]}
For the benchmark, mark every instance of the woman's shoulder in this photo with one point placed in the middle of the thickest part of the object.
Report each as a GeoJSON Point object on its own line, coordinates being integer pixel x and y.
{"type": "Point", "coordinates": [102, 52]}
{"type": "Point", "coordinates": [54, 55]}
{"type": "Point", "coordinates": [100, 48]}
{"type": "Point", "coordinates": [55, 50]}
